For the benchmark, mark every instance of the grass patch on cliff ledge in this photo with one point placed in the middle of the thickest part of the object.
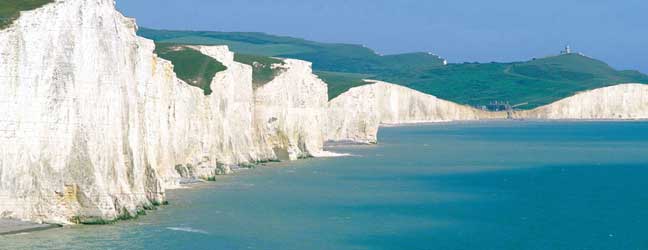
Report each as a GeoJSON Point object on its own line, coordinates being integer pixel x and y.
{"type": "Point", "coordinates": [190, 65]}
{"type": "Point", "coordinates": [10, 9]}
{"type": "Point", "coordinates": [339, 82]}
{"type": "Point", "coordinates": [264, 69]}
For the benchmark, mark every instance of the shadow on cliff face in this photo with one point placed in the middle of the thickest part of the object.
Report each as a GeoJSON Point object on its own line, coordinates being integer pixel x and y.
{"type": "Point", "coordinates": [281, 153]}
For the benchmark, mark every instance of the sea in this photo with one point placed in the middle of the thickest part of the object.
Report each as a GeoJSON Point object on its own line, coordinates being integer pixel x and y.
{"type": "Point", "coordinates": [478, 185]}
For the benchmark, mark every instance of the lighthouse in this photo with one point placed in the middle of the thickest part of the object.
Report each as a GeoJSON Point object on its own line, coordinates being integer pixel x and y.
{"type": "Point", "coordinates": [566, 51]}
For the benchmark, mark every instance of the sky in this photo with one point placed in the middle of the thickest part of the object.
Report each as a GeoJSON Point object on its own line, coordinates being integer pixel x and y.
{"type": "Point", "coordinates": [615, 31]}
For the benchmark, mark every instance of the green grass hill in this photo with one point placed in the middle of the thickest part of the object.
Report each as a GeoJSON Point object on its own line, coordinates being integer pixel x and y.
{"type": "Point", "coordinates": [538, 82]}
{"type": "Point", "coordinates": [343, 66]}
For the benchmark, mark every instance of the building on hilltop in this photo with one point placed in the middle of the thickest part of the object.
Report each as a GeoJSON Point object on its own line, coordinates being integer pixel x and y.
{"type": "Point", "coordinates": [566, 51]}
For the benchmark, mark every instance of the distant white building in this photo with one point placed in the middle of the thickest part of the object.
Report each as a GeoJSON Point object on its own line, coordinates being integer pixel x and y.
{"type": "Point", "coordinates": [445, 62]}
{"type": "Point", "coordinates": [566, 51]}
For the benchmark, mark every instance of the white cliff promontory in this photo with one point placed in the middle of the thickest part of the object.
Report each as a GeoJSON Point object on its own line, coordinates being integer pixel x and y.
{"type": "Point", "coordinates": [291, 112]}
{"type": "Point", "coordinates": [357, 114]}
{"type": "Point", "coordinates": [74, 81]}
{"type": "Point", "coordinates": [619, 102]}
{"type": "Point", "coordinates": [95, 126]}
{"type": "Point", "coordinates": [204, 134]}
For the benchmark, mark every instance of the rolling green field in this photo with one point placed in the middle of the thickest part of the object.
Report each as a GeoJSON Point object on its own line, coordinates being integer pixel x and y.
{"type": "Point", "coordinates": [10, 9]}
{"type": "Point", "coordinates": [343, 66]}
{"type": "Point", "coordinates": [190, 65]}
{"type": "Point", "coordinates": [538, 82]}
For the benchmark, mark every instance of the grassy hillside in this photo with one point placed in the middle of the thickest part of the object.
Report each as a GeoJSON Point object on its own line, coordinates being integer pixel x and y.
{"type": "Point", "coordinates": [10, 9]}
{"type": "Point", "coordinates": [190, 65]}
{"type": "Point", "coordinates": [343, 66]}
{"type": "Point", "coordinates": [327, 57]}
{"type": "Point", "coordinates": [264, 68]}
{"type": "Point", "coordinates": [537, 82]}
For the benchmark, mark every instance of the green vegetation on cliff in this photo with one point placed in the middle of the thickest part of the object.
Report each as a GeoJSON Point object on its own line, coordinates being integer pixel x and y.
{"type": "Point", "coordinates": [10, 9]}
{"type": "Point", "coordinates": [190, 65]}
{"type": "Point", "coordinates": [343, 66]}
{"type": "Point", "coordinates": [345, 58]}
{"type": "Point", "coordinates": [339, 83]}
{"type": "Point", "coordinates": [264, 68]}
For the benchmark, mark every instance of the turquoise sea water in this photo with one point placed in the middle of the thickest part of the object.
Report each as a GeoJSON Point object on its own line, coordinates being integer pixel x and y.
{"type": "Point", "coordinates": [500, 185]}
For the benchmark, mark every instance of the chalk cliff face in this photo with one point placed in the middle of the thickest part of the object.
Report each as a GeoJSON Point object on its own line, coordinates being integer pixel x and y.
{"type": "Point", "coordinates": [95, 126]}
{"type": "Point", "coordinates": [619, 102]}
{"type": "Point", "coordinates": [73, 94]}
{"type": "Point", "coordinates": [200, 136]}
{"type": "Point", "coordinates": [291, 112]}
{"type": "Point", "coordinates": [356, 115]}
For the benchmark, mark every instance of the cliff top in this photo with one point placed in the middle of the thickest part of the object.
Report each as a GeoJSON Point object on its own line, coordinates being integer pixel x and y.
{"type": "Point", "coordinates": [343, 66]}
{"type": "Point", "coordinates": [190, 65]}
{"type": "Point", "coordinates": [264, 69]}
{"type": "Point", "coordinates": [10, 9]}
{"type": "Point", "coordinates": [333, 57]}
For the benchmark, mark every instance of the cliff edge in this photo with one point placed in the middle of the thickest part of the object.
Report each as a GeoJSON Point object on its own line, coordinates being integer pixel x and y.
{"type": "Point", "coordinates": [620, 102]}
{"type": "Point", "coordinates": [96, 126]}
{"type": "Point", "coordinates": [356, 115]}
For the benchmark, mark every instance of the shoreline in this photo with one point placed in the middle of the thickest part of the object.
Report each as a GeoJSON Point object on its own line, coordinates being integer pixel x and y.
{"type": "Point", "coordinates": [480, 121]}
{"type": "Point", "coordinates": [13, 227]}
{"type": "Point", "coordinates": [10, 227]}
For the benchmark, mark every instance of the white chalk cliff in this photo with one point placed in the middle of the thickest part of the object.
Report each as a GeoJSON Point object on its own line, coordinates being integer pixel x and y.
{"type": "Point", "coordinates": [356, 115]}
{"type": "Point", "coordinates": [74, 98]}
{"type": "Point", "coordinates": [291, 112]}
{"type": "Point", "coordinates": [95, 126]}
{"type": "Point", "coordinates": [619, 102]}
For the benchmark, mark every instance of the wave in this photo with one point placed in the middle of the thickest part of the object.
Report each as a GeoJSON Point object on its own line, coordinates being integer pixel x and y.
{"type": "Point", "coordinates": [326, 154]}
{"type": "Point", "coordinates": [188, 230]}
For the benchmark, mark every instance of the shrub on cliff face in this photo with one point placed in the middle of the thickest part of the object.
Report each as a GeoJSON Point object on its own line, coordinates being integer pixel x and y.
{"type": "Point", "coordinates": [10, 9]}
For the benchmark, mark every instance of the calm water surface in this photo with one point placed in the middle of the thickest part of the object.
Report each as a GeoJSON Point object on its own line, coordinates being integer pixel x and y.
{"type": "Point", "coordinates": [506, 185]}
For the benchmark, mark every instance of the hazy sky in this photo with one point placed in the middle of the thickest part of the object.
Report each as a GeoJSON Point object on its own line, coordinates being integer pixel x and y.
{"type": "Point", "coordinates": [615, 31]}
